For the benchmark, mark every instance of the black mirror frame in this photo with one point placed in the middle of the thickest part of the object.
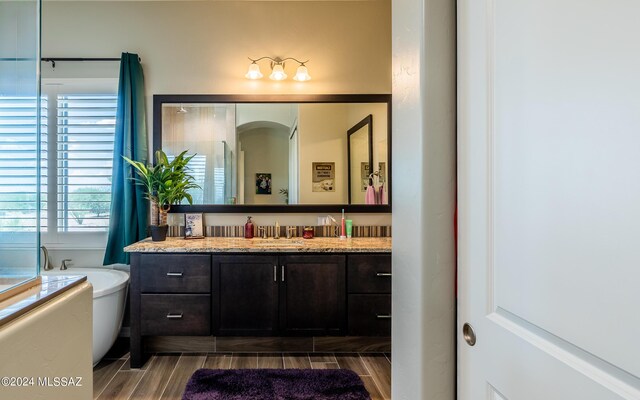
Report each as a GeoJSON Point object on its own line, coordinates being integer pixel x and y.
{"type": "Point", "coordinates": [160, 99]}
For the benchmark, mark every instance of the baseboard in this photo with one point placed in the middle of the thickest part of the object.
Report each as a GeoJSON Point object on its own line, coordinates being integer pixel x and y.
{"type": "Point", "coordinates": [234, 344]}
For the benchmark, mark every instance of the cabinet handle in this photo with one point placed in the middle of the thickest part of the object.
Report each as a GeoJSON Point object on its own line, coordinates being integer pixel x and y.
{"type": "Point", "coordinates": [275, 273]}
{"type": "Point", "coordinates": [283, 273]}
{"type": "Point", "coordinates": [383, 273]}
{"type": "Point", "coordinates": [178, 274]}
{"type": "Point", "coordinates": [383, 316]}
{"type": "Point", "coordinates": [174, 316]}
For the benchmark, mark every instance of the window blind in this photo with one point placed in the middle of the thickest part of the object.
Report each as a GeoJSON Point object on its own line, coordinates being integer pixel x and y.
{"type": "Point", "coordinates": [85, 134]}
{"type": "Point", "coordinates": [18, 164]}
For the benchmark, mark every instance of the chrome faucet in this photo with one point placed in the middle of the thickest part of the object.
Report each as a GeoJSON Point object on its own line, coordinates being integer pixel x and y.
{"type": "Point", "coordinates": [264, 232]}
{"type": "Point", "coordinates": [63, 266]}
{"type": "Point", "coordinates": [47, 261]}
{"type": "Point", "coordinates": [289, 230]}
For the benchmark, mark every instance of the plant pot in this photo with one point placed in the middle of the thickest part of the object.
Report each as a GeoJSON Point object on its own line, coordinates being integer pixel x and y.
{"type": "Point", "coordinates": [159, 232]}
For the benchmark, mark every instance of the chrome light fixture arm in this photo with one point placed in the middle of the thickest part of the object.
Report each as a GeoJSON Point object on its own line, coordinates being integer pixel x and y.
{"type": "Point", "coordinates": [277, 68]}
{"type": "Point", "coordinates": [277, 60]}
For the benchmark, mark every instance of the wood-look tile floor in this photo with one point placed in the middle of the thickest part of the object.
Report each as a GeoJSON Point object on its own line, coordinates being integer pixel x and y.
{"type": "Point", "coordinates": [165, 376]}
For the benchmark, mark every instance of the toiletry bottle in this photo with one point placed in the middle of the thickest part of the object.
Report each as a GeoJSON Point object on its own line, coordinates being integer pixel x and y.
{"type": "Point", "coordinates": [276, 234]}
{"type": "Point", "coordinates": [343, 228]}
{"type": "Point", "coordinates": [248, 229]}
{"type": "Point", "coordinates": [349, 224]}
{"type": "Point", "coordinates": [307, 232]}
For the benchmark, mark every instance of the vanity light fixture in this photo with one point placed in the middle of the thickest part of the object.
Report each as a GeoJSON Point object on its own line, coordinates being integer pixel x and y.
{"type": "Point", "coordinates": [277, 69]}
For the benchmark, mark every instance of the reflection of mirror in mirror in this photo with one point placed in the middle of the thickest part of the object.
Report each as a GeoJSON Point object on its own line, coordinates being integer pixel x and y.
{"type": "Point", "coordinates": [243, 148]}
{"type": "Point", "coordinates": [359, 157]}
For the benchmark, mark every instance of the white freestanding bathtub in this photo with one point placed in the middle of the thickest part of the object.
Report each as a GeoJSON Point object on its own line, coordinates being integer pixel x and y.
{"type": "Point", "coordinates": [109, 293]}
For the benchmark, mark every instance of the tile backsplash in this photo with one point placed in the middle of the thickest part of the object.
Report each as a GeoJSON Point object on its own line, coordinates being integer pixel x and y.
{"type": "Point", "coordinates": [319, 231]}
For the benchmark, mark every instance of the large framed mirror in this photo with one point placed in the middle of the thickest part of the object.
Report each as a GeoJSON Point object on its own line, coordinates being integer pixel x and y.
{"type": "Point", "coordinates": [280, 153]}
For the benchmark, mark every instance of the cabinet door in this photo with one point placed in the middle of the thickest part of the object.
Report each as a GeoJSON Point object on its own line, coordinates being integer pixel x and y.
{"type": "Point", "coordinates": [369, 273]}
{"type": "Point", "coordinates": [247, 295]}
{"type": "Point", "coordinates": [313, 295]}
{"type": "Point", "coordinates": [369, 314]}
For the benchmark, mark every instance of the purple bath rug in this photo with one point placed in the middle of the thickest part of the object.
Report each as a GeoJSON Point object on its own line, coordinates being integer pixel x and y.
{"type": "Point", "coordinates": [275, 384]}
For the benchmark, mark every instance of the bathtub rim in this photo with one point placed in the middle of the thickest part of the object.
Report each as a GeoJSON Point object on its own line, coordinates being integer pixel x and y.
{"type": "Point", "coordinates": [120, 283]}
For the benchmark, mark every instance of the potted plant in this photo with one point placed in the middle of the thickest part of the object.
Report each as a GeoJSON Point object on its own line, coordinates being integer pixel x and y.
{"type": "Point", "coordinates": [165, 183]}
{"type": "Point", "coordinates": [285, 193]}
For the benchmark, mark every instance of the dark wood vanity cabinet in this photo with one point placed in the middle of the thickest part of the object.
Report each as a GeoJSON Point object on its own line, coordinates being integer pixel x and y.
{"type": "Point", "coordinates": [247, 299]}
{"type": "Point", "coordinates": [170, 295]}
{"type": "Point", "coordinates": [313, 296]}
{"type": "Point", "coordinates": [272, 295]}
{"type": "Point", "coordinates": [369, 299]}
{"type": "Point", "coordinates": [258, 295]}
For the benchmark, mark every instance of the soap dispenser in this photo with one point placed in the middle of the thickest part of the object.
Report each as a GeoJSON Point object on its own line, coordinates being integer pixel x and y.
{"type": "Point", "coordinates": [248, 229]}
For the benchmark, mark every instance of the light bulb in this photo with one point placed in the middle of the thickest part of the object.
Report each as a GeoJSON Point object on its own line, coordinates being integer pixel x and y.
{"type": "Point", "coordinates": [254, 71]}
{"type": "Point", "coordinates": [302, 74]}
{"type": "Point", "coordinates": [278, 73]}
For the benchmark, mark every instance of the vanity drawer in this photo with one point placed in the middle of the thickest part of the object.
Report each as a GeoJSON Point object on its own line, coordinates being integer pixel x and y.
{"type": "Point", "coordinates": [168, 273]}
{"type": "Point", "coordinates": [369, 273]}
{"type": "Point", "coordinates": [175, 314]}
{"type": "Point", "coordinates": [369, 315]}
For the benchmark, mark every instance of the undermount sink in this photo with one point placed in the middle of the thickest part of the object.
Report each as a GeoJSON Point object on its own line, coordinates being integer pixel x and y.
{"type": "Point", "coordinates": [277, 243]}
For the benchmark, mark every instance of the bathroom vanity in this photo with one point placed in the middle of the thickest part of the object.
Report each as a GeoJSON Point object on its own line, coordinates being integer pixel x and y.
{"type": "Point", "coordinates": [332, 292]}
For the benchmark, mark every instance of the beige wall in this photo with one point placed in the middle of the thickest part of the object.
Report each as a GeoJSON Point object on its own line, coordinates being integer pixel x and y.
{"type": "Point", "coordinates": [52, 340]}
{"type": "Point", "coordinates": [281, 113]}
{"type": "Point", "coordinates": [202, 46]}
{"type": "Point", "coordinates": [322, 137]}
{"type": "Point", "coordinates": [266, 150]}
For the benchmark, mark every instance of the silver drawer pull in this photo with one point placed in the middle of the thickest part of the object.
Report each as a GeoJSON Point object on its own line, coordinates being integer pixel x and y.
{"type": "Point", "coordinates": [178, 274]}
{"type": "Point", "coordinates": [383, 316]}
{"type": "Point", "coordinates": [174, 316]}
{"type": "Point", "coordinates": [383, 273]}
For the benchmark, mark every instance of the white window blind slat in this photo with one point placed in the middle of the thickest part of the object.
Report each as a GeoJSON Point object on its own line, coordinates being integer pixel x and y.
{"type": "Point", "coordinates": [85, 133]}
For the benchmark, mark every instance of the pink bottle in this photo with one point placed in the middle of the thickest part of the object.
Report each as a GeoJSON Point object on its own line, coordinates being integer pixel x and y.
{"type": "Point", "coordinates": [248, 229]}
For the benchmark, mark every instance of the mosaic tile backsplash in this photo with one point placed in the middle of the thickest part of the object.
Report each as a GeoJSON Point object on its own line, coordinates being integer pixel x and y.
{"type": "Point", "coordinates": [319, 231]}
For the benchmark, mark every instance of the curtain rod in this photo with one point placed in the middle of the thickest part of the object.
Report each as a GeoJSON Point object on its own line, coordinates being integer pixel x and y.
{"type": "Point", "coordinates": [53, 60]}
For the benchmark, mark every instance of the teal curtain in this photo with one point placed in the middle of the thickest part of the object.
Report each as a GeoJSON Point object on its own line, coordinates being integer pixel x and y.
{"type": "Point", "coordinates": [129, 208]}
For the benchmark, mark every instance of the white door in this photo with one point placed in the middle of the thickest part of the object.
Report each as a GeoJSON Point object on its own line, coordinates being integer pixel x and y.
{"type": "Point", "coordinates": [549, 199]}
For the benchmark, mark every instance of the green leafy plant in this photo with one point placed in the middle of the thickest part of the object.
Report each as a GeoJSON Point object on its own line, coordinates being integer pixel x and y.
{"type": "Point", "coordinates": [285, 194]}
{"type": "Point", "coordinates": [166, 183]}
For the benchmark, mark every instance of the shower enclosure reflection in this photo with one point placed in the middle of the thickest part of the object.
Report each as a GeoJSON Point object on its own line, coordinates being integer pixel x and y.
{"type": "Point", "coordinates": [20, 142]}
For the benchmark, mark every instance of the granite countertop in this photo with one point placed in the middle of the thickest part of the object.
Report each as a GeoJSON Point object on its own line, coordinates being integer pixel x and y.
{"type": "Point", "coordinates": [257, 245]}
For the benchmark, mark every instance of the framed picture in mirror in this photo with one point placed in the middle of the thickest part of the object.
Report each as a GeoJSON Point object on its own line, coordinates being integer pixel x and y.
{"type": "Point", "coordinates": [324, 177]}
{"type": "Point", "coordinates": [263, 183]}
